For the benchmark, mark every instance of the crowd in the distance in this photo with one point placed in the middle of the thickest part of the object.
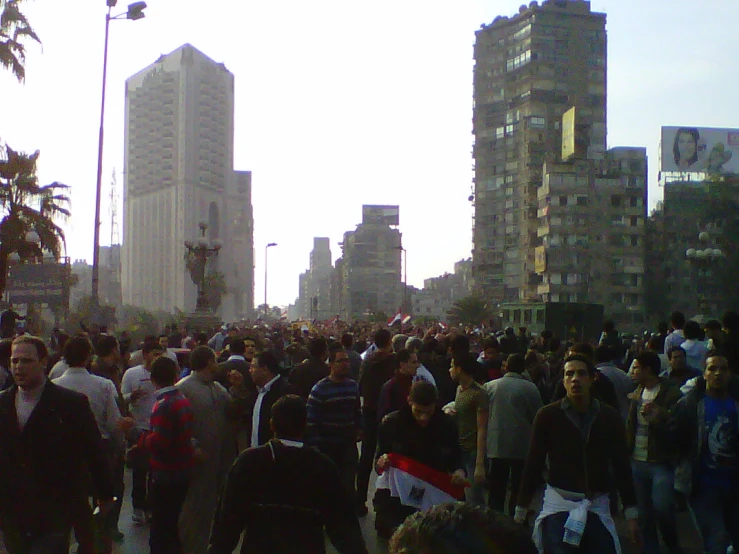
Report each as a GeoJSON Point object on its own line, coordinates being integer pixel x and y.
{"type": "Point", "coordinates": [274, 432]}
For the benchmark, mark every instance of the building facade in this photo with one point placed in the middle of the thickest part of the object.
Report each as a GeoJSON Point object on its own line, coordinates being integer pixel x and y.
{"type": "Point", "coordinates": [440, 293]}
{"type": "Point", "coordinates": [179, 171]}
{"type": "Point", "coordinates": [529, 69]}
{"type": "Point", "coordinates": [314, 297]}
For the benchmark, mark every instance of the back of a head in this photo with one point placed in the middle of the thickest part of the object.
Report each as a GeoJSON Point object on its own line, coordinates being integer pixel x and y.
{"type": "Point", "coordinates": [289, 416]}
{"type": "Point", "coordinates": [608, 326]}
{"type": "Point", "coordinates": [269, 360]}
{"type": "Point", "coordinates": [655, 345]}
{"type": "Point", "coordinates": [604, 354]}
{"type": "Point", "coordinates": [546, 334]}
{"type": "Point", "coordinates": [584, 349]}
{"type": "Point", "coordinates": [6, 347]}
{"type": "Point", "coordinates": [515, 363]}
{"type": "Point", "coordinates": [398, 342]}
{"type": "Point", "coordinates": [460, 345]}
{"type": "Point", "coordinates": [164, 372]}
{"type": "Point", "coordinates": [318, 348]}
{"type": "Point", "coordinates": [201, 338]}
{"type": "Point", "coordinates": [403, 356]}
{"type": "Point", "coordinates": [662, 327]}
{"type": "Point", "coordinates": [712, 325]}
{"type": "Point", "coordinates": [237, 347]}
{"type": "Point", "coordinates": [692, 330]}
{"type": "Point", "coordinates": [201, 357]}
{"type": "Point", "coordinates": [382, 339]}
{"type": "Point", "coordinates": [423, 393]}
{"type": "Point", "coordinates": [414, 343]}
{"type": "Point", "coordinates": [347, 340]}
{"type": "Point", "coordinates": [491, 343]}
{"type": "Point", "coordinates": [677, 320]}
{"type": "Point", "coordinates": [460, 528]}
{"type": "Point", "coordinates": [77, 351]}
{"type": "Point", "coordinates": [106, 345]}
{"type": "Point", "coordinates": [730, 321]}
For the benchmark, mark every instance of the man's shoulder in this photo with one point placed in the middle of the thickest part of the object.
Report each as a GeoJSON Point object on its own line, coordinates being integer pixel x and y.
{"type": "Point", "coordinates": [64, 396]}
{"type": "Point", "coordinates": [133, 371]}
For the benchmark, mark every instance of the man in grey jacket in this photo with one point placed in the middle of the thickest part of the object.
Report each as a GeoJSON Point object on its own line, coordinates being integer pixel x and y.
{"type": "Point", "coordinates": [513, 403]}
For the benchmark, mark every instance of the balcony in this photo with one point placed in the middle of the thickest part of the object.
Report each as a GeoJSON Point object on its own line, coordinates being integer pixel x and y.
{"type": "Point", "coordinates": [542, 231]}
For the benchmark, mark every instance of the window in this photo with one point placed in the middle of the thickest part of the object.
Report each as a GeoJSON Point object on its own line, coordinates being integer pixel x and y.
{"type": "Point", "coordinates": [615, 201]}
{"type": "Point", "coordinates": [634, 202]}
{"type": "Point", "coordinates": [582, 200]}
{"type": "Point", "coordinates": [634, 221]}
{"type": "Point", "coordinates": [562, 200]}
{"type": "Point", "coordinates": [538, 123]}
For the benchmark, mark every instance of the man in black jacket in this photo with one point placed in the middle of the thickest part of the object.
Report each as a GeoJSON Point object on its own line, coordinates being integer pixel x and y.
{"type": "Point", "coordinates": [270, 387]}
{"type": "Point", "coordinates": [283, 495]}
{"type": "Point", "coordinates": [238, 361]}
{"type": "Point", "coordinates": [304, 376]}
{"type": "Point", "coordinates": [49, 446]}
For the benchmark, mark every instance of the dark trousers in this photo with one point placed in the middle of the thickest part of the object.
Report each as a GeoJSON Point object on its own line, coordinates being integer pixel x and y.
{"type": "Point", "coordinates": [166, 497]}
{"type": "Point", "coordinates": [345, 457]}
{"type": "Point", "coordinates": [140, 479]}
{"type": "Point", "coordinates": [500, 470]}
{"type": "Point", "coordinates": [595, 539]}
{"type": "Point", "coordinates": [367, 458]}
{"type": "Point", "coordinates": [52, 543]}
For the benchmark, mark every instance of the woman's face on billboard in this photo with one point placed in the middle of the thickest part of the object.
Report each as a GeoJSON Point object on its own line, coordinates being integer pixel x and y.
{"type": "Point", "coordinates": [686, 146]}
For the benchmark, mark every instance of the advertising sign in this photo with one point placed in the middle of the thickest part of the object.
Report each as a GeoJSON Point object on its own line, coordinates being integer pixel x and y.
{"type": "Point", "coordinates": [540, 259]}
{"type": "Point", "coordinates": [700, 150]}
{"type": "Point", "coordinates": [38, 283]}
{"type": "Point", "coordinates": [568, 133]}
{"type": "Point", "coordinates": [381, 215]}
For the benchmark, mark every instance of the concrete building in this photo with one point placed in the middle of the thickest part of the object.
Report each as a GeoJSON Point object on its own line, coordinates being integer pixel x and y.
{"type": "Point", "coordinates": [440, 293]}
{"type": "Point", "coordinates": [591, 235]}
{"type": "Point", "coordinates": [371, 276]}
{"type": "Point", "coordinates": [314, 298]}
{"type": "Point", "coordinates": [529, 69]}
{"type": "Point", "coordinates": [179, 171]}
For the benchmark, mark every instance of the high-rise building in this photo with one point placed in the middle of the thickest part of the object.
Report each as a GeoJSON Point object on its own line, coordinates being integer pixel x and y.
{"type": "Point", "coordinates": [529, 70]}
{"type": "Point", "coordinates": [315, 283]}
{"type": "Point", "coordinates": [179, 132]}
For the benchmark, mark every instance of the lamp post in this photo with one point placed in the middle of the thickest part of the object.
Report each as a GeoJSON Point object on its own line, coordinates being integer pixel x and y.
{"type": "Point", "coordinates": [405, 276]}
{"type": "Point", "coordinates": [703, 259]}
{"type": "Point", "coordinates": [134, 12]}
{"type": "Point", "coordinates": [266, 249]}
{"type": "Point", "coordinates": [198, 254]}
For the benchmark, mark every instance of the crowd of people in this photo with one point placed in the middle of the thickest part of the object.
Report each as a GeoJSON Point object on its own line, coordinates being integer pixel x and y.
{"type": "Point", "coordinates": [270, 436]}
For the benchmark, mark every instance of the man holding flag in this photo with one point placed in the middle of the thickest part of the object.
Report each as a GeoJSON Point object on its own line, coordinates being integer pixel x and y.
{"type": "Point", "coordinates": [419, 460]}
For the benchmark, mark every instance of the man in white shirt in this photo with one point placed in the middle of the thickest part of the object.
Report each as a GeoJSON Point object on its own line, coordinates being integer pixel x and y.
{"type": "Point", "coordinates": [677, 337]}
{"type": "Point", "coordinates": [139, 394]}
{"type": "Point", "coordinates": [102, 395]}
{"type": "Point", "coordinates": [166, 351]}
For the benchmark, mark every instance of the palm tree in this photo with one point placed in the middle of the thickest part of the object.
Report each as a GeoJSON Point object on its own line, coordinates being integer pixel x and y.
{"type": "Point", "coordinates": [27, 206]}
{"type": "Point", "coordinates": [14, 29]}
{"type": "Point", "coordinates": [470, 310]}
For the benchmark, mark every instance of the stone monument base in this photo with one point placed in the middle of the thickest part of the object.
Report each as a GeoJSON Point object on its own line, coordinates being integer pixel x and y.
{"type": "Point", "coordinates": [201, 320]}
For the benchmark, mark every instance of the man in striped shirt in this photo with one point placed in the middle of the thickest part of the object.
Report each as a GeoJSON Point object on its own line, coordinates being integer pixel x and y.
{"type": "Point", "coordinates": [335, 418]}
{"type": "Point", "coordinates": [171, 452]}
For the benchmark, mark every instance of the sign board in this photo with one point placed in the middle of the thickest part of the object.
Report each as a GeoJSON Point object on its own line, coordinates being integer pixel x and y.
{"type": "Point", "coordinates": [568, 133]}
{"type": "Point", "coordinates": [540, 259]}
{"type": "Point", "coordinates": [45, 283]}
{"type": "Point", "coordinates": [700, 150]}
{"type": "Point", "coordinates": [381, 215]}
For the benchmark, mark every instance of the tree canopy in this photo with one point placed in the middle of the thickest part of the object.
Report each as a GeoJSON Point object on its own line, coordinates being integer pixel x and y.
{"type": "Point", "coordinates": [471, 310]}
{"type": "Point", "coordinates": [14, 31]}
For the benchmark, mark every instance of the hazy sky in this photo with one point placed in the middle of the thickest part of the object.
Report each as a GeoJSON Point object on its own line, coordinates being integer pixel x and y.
{"type": "Point", "coordinates": [344, 103]}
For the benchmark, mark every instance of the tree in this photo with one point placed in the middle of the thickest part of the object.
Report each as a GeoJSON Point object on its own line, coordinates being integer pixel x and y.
{"type": "Point", "coordinates": [471, 310]}
{"type": "Point", "coordinates": [14, 30]}
{"type": "Point", "coordinates": [84, 315]}
{"type": "Point", "coordinates": [27, 206]}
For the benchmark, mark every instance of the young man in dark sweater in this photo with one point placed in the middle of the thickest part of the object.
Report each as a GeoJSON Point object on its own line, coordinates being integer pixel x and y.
{"type": "Point", "coordinates": [582, 438]}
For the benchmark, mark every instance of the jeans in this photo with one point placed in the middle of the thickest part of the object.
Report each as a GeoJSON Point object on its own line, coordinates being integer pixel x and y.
{"type": "Point", "coordinates": [715, 511]}
{"type": "Point", "coordinates": [345, 457]}
{"type": "Point", "coordinates": [499, 471]}
{"type": "Point", "coordinates": [476, 493]}
{"type": "Point", "coordinates": [595, 539]}
{"type": "Point", "coordinates": [367, 459]}
{"type": "Point", "coordinates": [139, 484]}
{"type": "Point", "coordinates": [654, 484]}
{"type": "Point", "coordinates": [166, 497]}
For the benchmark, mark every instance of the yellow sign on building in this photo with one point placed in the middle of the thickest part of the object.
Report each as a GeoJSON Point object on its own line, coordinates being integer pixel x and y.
{"type": "Point", "coordinates": [540, 259]}
{"type": "Point", "coordinates": [568, 133]}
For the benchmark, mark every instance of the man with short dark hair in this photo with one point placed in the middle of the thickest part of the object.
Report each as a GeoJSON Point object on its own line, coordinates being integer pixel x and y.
{"type": "Point", "coordinates": [355, 360]}
{"type": "Point", "coordinates": [270, 386]}
{"type": "Point", "coordinates": [303, 377]}
{"type": "Point", "coordinates": [460, 529]}
{"type": "Point", "coordinates": [50, 445]}
{"type": "Point", "coordinates": [583, 441]}
{"type": "Point", "coordinates": [652, 454]}
{"type": "Point", "coordinates": [490, 359]}
{"type": "Point", "coordinates": [677, 336]}
{"type": "Point", "coordinates": [513, 402]}
{"type": "Point", "coordinates": [420, 432]}
{"type": "Point", "coordinates": [680, 373]}
{"type": "Point", "coordinates": [394, 393]}
{"type": "Point", "coordinates": [238, 361]}
{"type": "Point", "coordinates": [283, 495]}
{"type": "Point", "coordinates": [705, 431]}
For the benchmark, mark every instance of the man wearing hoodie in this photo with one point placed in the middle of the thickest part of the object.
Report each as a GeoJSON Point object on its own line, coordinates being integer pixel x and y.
{"type": "Point", "coordinates": [377, 369]}
{"type": "Point", "coordinates": [705, 431]}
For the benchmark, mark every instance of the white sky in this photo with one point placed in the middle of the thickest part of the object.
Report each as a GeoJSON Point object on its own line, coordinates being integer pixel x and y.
{"type": "Point", "coordinates": [344, 103]}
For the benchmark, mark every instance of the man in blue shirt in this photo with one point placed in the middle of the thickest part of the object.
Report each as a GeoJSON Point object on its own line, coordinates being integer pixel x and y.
{"type": "Point", "coordinates": [705, 429]}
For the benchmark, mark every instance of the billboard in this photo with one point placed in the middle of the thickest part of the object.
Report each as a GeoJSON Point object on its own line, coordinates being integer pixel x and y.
{"type": "Point", "coordinates": [700, 150]}
{"type": "Point", "coordinates": [381, 215]}
{"type": "Point", "coordinates": [45, 283]}
{"type": "Point", "coordinates": [540, 259]}
{"type": "Point", "coordinates": [568, 133]}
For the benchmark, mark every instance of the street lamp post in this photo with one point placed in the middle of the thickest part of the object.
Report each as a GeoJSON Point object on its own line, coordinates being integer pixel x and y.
{"type": "Point", "coordinates": [702, 259]}
{"type": "Point", "coordinates": [266, 249]}
{"type": "Point", "coordinates": [199, 252]}
{"type": "Point", "coordinates": [135, 11]}
{"type": "Point", "coordinates": [405, 277]}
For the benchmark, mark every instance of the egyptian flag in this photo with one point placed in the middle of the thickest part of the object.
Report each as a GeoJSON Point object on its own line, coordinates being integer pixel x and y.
{"type": "Point", "coordinates": [418, 485]}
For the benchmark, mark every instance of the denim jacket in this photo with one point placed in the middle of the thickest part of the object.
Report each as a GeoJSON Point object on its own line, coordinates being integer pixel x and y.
{"type": "Point", "coordinates": [687, 432]}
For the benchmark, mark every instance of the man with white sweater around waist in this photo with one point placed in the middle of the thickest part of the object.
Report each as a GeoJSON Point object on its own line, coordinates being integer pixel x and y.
{"type": "Point", "coordinates": [581, 438]}
{"type": "Point", "coordinates": [139, 394]}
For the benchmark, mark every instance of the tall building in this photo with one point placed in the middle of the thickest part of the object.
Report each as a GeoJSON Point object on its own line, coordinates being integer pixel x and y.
{"type": "Point", "coordinates": [371, 276]}
{"type": "Point", "coordinates": [529, 70]}
{"type": "Point", "coordinates": [179, 132]}
{"type": "Point", "coordinates": [315, 284]}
